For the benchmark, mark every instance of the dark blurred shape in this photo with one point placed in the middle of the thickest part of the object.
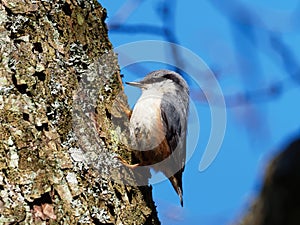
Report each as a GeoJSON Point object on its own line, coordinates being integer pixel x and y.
{"type": "Point", "coordinates": [290, 61]}
{"type": "Point", "coordinates": [279, 200]}
{"type": "Point", "coordinates": [136, 29]}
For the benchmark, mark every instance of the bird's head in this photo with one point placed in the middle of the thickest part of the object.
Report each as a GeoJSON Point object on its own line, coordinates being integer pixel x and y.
{"type": "Point", "coordinates": [162, 81]}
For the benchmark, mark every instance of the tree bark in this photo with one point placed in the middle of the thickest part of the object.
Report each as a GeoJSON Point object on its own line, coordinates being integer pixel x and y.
{"type": "Point", "coordinates": [61, 99]}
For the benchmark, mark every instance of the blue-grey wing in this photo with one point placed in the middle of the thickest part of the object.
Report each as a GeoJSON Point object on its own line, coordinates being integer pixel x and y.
{"type": "Point", "coordinates": [174, 122]}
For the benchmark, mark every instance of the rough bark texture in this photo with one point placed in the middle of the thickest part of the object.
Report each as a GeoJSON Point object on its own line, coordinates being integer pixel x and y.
{"type": "Point", "coordinates": [279, 200]}
{"type": "Point", "coordinates": [48, 48]}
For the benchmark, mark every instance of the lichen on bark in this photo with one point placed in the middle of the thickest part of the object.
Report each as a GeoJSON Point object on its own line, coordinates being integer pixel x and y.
{"type": "Point", "coordinates": [47, 49]}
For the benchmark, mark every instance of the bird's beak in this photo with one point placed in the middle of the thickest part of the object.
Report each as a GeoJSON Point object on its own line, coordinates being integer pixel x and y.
{"type": "Point", "coordinates": [135, 84]}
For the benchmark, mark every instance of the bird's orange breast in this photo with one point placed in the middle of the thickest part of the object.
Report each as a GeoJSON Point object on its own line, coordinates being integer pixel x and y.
{"type": "Point", "coordinates": [148, 132]}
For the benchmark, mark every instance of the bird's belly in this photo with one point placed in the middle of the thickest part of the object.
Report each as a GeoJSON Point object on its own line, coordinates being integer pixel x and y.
{"type": "Point", "coordinates": [147, 132]}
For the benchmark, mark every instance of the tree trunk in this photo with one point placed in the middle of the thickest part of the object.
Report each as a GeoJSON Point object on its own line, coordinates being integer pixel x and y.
{"type": "Point", "coordinates": [61, 105]}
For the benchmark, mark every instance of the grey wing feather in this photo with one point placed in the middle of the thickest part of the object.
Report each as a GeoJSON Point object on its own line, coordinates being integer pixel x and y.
{"type": "Point", "coordinates": [175, 132]}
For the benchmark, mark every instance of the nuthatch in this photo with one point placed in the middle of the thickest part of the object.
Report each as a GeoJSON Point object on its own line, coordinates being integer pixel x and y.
{"type": "Point", "coordinates": [158, 125]}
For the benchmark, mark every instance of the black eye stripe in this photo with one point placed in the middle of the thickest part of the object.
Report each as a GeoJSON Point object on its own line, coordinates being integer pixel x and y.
{"type": "Point", "coordinates": [173, 78]}
{"type": "Point", "coordinates": [161, 78]}
{"type": "Point", "coordinates": [156, 78]}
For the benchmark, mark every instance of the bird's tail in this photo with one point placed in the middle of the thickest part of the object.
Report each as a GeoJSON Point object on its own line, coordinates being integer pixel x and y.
{"type": "Point", "coordinates": [176, 181]}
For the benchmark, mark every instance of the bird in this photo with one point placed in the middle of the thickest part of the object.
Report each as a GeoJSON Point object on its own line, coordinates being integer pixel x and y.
{"type": "Point", "coordinates": [158, 125]}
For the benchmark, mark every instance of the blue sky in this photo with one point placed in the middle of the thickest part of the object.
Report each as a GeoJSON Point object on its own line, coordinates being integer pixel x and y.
{"type": "Point", "coordinates": [253, 48]}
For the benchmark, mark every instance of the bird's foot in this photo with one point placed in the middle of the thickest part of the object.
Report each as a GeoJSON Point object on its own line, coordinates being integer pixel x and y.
{"type": "Point", "coordinates": [125, 163]}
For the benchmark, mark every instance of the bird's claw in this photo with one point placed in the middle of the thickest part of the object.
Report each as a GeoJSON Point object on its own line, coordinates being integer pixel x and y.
{"type": "Point", "coordinates": [125, 163]}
